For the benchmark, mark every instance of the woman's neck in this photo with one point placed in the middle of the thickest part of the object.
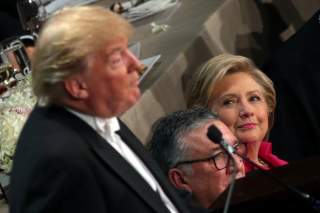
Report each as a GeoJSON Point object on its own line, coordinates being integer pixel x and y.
{"type": "Point", "coordinates": [253, 151]}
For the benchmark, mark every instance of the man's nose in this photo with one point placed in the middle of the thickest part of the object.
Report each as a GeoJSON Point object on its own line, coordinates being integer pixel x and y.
{"type": "Point", "coordinates": [239, 167]}
{"type": "Point", "coordinates": [134, 63]}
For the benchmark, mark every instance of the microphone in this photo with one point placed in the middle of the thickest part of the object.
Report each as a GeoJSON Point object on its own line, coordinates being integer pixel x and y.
{"type": "Point", "coordinates": [215, 136]}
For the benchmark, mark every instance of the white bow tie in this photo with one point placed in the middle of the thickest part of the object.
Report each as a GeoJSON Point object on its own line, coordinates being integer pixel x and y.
{"type": "Point", "coordinates": [109, 125]}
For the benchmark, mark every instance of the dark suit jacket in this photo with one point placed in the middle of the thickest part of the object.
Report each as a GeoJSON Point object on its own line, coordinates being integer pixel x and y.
{"type": "Point", "coordinates": [62, 165]}
{"type": "Point", "coordinates": [295, 71]}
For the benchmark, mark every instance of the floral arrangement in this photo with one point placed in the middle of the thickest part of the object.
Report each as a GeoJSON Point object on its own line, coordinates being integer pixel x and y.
{"type": "Point", "coordinates": [14, 110]}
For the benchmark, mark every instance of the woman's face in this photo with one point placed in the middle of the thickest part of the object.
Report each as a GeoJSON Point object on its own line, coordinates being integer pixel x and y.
{"type": "Point", "coordinates": [240, 103]}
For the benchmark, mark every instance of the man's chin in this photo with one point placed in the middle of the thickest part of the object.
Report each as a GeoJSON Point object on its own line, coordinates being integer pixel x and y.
{"type": "Point", "coordinates": [133, 100]}
{"type": "Point", "coordinates": [136, 95]}
{"type": "Point", "coordinates": [128, 103]}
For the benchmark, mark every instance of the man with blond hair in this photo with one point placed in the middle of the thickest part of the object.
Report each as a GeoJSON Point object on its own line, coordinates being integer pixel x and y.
{"type": "Point", "coordinates": [73, 154]}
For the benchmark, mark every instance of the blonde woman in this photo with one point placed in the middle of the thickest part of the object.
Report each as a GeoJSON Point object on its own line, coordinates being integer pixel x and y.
{"type": "Point", "coordinates": [244, 98]}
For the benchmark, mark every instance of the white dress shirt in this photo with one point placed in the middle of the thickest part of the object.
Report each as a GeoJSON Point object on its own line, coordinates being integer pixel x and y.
{"type": "Point", "coordinates": [107, 128]}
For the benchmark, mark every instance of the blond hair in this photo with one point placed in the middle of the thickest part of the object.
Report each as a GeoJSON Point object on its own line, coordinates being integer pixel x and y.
{"type": "Point", "coordinates": [66, 41]}
{"type": "Point", "coordinates": [215, 69]}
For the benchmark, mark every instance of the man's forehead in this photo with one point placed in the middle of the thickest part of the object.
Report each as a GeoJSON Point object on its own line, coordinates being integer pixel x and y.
{"type": "Point", "coordinates": [199, 136]}
{"type": "Point", "coordinates": [220, 125]}
{"type": "Point", "coordinates": [116, 42]}
{"type": "Point", "coordinates": [225, 131]}
{"type": "Point", "coordinates": [203, 128]}
{"type": "Point", "coordinates": [200, 133]}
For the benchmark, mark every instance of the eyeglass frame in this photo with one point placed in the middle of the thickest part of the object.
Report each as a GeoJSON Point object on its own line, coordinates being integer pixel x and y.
{"type": "Point", "coordinates": [213, 158]}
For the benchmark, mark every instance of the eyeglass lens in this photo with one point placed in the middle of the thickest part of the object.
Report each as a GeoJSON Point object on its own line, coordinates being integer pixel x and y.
{"type": "Point", "coordinates": [221, 160]}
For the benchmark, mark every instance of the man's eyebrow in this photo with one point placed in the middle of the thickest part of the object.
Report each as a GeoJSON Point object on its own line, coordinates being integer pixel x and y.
{"type": "Point", "coordinates": [215, 150]}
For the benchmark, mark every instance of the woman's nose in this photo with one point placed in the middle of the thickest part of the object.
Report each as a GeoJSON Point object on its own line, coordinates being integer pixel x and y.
{"type": "Point", "coordinates": [245, 110]}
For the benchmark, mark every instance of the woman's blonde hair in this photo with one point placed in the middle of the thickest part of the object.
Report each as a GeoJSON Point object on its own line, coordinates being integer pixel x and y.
{"type": "Point", "coordinates": [65, 43]}
{"type": "Point", "coordinates": [214, 70]}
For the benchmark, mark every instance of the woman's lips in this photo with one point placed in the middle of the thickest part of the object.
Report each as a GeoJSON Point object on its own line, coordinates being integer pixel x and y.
{"type": "Point", "coordinates": [247, 126]}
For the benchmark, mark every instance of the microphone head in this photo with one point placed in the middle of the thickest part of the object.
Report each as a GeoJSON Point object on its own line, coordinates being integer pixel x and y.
{"type": "Point", "coordinates": [214, 134]}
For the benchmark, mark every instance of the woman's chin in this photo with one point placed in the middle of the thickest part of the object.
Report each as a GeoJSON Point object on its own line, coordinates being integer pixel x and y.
{"type": "Point", "coordinates": [249, 139]}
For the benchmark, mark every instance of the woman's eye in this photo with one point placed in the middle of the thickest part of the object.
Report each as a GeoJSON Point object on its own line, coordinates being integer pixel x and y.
{"type": "Point", "coordinates": [254, 98]}
{"type": "Point", "coordinates": [228, 102]}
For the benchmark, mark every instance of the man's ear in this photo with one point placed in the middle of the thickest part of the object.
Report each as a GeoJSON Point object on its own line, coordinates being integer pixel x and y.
{"type": "Point", "coordinates": [76, 88]}
{"type": "Point", "coordinates": [178, 179]}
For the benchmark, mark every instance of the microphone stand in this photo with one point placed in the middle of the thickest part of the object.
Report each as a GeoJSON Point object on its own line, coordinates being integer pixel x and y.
{"type": "Point", "coordinates": [315, 204]}
{"type": "Point", "coordinates": [234, 169]}
{"type": "Point", "coordinates": [215, 136]}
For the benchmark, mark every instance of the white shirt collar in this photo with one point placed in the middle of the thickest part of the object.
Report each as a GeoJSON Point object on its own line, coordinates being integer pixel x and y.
{"type": "Point", "coordinates": [98, 124]}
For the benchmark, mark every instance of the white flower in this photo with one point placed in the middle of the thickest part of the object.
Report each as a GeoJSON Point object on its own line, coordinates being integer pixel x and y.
{"type": "Point", "coordinates": [157, 28]}
{"type": "Point", "coordinates": [14, 111]}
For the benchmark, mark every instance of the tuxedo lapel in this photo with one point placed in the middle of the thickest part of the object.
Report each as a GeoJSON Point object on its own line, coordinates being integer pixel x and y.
{"type": "Point", "coordinates": [138, 148]}
{"type": "Point", "coordinates": [128, 174]}
{"type": "Point", "coordinates": [120, 166]}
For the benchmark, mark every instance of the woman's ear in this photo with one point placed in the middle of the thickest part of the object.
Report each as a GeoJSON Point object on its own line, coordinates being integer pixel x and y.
{"type": "Point", "coordinates": [179, 179]}
{"type": "Point", "coordinates": [76, 88]}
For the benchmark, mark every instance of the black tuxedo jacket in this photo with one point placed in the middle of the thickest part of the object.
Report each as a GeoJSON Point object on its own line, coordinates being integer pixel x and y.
{"type": "Point", "coordinates": [62, 165]}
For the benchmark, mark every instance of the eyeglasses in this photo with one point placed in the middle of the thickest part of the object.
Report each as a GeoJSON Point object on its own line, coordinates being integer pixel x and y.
{"type": "Point", "coordinates": [219, 160]}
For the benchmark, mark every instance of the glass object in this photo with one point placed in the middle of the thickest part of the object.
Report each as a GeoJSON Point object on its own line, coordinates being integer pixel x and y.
{"type": "Point", "coordinates": [14, 61]}
{"type": "Point", "coordinates": [6, 72]}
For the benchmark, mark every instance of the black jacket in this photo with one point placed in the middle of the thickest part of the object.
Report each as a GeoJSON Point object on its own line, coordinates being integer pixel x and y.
{"type": "Point", "coordinates": [62, 165]}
